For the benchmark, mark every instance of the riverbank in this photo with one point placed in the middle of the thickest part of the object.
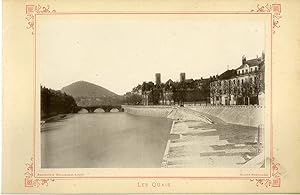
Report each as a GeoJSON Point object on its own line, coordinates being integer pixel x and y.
{"type": "Point", "coordinates": [239, 115]}
{"type": "Point", "coordinates": [170, 112]}
{"type": "Point", "coordinates": [53, 118]}
{"type": "Point", "coordinates": [203, 145]}
{"type": "Point", "coordinates": [152, 111]}
{"type": "Point", "coordinates": [205, 140]}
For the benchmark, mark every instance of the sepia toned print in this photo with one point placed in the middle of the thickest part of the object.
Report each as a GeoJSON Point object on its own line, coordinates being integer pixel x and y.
{"type": "Point", "coordinates": [149, 97]}
{"type": "Point", "coordinates": [153, 114]}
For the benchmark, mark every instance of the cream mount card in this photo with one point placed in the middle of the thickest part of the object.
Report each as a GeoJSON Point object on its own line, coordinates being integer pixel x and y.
{"type": "Point", "coordinates": [150, 97]}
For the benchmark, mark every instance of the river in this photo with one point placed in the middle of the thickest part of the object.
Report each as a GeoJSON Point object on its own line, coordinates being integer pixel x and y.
{"type": "Point", "coordinates": [104, 140]}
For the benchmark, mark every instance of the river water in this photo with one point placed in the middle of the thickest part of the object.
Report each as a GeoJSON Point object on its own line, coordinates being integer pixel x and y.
{"type": "Point", "coordinates": [104, 140]}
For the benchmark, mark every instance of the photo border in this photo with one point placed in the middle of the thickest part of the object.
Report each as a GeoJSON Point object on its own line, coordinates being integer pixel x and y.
{"type": "Point", "coordinates": [31, 177]}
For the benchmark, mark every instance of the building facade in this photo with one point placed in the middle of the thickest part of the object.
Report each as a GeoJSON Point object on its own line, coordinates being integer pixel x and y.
{"type": "Point", "coordinates": [242, 86]}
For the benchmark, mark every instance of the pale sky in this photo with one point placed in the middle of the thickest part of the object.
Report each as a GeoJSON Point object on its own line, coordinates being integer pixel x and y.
{"type": "Point", "coordinates": [119, 53]}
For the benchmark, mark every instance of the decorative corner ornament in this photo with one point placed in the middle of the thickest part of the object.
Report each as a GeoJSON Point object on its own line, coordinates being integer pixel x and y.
{"type": "Point", "coordinates": [30, 180]}
{"type": "Point", "coordinates": [32, 11]}
{"type": "Point", "coordinates": [275, 10]}
{"type": "Point", "coordinates": [274, 180]}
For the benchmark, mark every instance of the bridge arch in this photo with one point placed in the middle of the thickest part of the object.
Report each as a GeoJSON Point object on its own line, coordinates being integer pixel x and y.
{"type": "Point", "coordinates": [99, 110]}
{"type": "Point", "coordinates": [106, 108]}
{"type": "Point", "coordinates": [114, 110]}
{"type": "Point", "coordinates": [83, 110]}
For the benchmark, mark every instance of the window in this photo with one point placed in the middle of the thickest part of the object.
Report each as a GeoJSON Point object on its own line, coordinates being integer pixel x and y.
{"type": "Point", "coordinates": [250, 80]}
{"type": "Point", "coordinates": [238, 82]}
{"type": "Point", "coordinates": [242, 81]}
{"type": "Point", "coordinates": [233, 81]}
{"type": "Point", "coordinates": [242, 71]}
{"type": "Point", "coordinates": [246, 70]}
{"type": "Point", "coordinates": [255, 68]}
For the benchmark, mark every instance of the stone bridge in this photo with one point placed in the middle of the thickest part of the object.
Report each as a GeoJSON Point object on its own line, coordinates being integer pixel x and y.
{"type": "Point", "coordinates": [106, 108]}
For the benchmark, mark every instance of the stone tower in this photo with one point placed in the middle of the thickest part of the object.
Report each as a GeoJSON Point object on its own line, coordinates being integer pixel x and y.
{"type": "Point", "coordinates": [157, 79]}
{"type": "Point", "coordinates": [182, 77]}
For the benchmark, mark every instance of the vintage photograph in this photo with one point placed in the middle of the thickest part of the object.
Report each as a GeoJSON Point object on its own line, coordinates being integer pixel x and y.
{"type": "Point", "coordinates": [143, 92]}
{"type": "Point", "coordinates": [150, 96]}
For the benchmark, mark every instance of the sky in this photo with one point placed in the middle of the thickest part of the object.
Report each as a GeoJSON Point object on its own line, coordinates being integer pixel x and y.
{"type": "Point", "coordinates": [118, 53]}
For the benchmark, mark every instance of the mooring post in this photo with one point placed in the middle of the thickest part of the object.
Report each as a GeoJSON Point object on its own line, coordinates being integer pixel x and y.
{"type": "Point", "coordinates": [259, 137]}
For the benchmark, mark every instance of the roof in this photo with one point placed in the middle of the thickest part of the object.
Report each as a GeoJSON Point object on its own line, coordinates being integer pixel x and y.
{"type": "Point", "coordinates": [169, 81]}
{"type": "Point", "coordinates": [252, 62]}
{"type": "Point", "coordinates": [227, 74]}
{"type": "Point", "coordinates": [189, 80]}
{"type": "Point", "coordinates": [202, 81]}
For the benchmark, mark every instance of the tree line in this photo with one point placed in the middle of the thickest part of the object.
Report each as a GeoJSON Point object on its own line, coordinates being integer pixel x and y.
{"type": "Point", "coordinates": [55, 102]}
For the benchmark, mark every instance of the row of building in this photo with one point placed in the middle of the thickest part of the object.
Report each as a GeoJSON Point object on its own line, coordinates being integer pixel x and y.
{"type": "Point", "coordinates": [244, 85]}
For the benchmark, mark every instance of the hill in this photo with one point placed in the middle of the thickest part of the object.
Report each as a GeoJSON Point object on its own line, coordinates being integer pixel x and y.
{"type": "Point", "coordinates": [89, 94]}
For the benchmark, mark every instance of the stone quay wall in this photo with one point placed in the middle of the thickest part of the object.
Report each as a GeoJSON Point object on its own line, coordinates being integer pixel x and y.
{"type": "Point", "coordinates": [153, 111]}
{"type": "Point", "coordinates": [240, 115]}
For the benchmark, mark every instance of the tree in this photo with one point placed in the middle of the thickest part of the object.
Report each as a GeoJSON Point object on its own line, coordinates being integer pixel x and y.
{"type": "Point", "coordinates": [156, 94]}
{"type": "Point", "coordinates": [55, 102]}
{"type": "Point", "coordinates": [132, 98]}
